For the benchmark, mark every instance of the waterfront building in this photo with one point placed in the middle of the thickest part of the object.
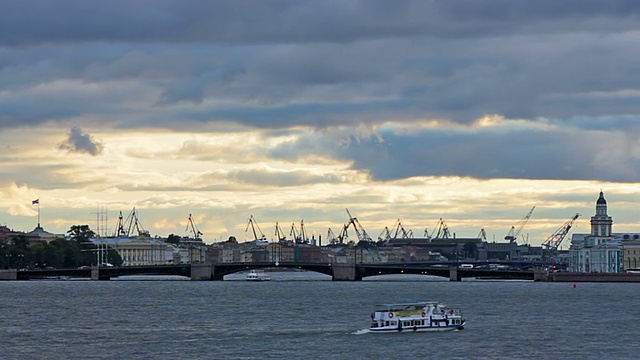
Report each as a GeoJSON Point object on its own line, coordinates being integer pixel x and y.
{"type": "Point", "coordinates": [499, 251]}
{"type": "Point", "coordinates": [631, 253]}
{"type": "Point", "coordinates": [601, 250]}
{"type": "Point", "coordinates": [7, 234]}
{"type": "Point", "coordinates": [136, 251]}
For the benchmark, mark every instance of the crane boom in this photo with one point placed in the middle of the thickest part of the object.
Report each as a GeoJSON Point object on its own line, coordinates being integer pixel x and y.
{"type": "Point", "coordinates": [515, 231]}
{"type": "Point", "coordinates": [361, 233]}
{"type": "Point", "coordinates": [385, 235]}
{"type": "Point", "coordinates": [279, 233]}
{"type": "Point", "coordinates": [252, 222]}
{"type": "Point", "coordinates": [191, 226]}
{"type": "Point", "coordinates": [332, 237]}
{"type": "Point", "coordinates": [554, 241]}
{"type": "Point", "coordinates": [440, 232]}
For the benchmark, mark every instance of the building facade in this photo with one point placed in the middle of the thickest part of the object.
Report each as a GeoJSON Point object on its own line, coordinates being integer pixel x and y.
{"type": "Point", "coordinates": [602, 250]}
{"type": "Point", "coordinates": [631, 253]}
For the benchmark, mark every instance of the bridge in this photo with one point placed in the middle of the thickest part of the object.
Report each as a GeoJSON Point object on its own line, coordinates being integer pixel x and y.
{"type": "Point", "coordinates": [338, 272]}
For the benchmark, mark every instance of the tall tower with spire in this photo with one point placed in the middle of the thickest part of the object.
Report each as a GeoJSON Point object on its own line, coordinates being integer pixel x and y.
{"type": "Point", "coordinates": [601, 222]}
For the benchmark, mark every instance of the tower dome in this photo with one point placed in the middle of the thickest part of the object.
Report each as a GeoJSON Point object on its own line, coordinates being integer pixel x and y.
{"type": "Point", "coordinates": [601, 200]}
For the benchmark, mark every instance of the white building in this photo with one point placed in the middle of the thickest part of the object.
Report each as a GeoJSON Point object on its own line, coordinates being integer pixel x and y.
{"type": "Point", "coordinates": [137, 250]}
{"type": "Point", "coordinates": [602, 250]}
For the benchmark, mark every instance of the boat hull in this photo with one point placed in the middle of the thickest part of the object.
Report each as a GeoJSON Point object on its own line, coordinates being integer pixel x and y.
{"type": "Point", "coordinates": [422, 316]}
{"type": "Point", "coordinates": [387, 330]}
{"type": "Point", "coordinates": [258, 275]}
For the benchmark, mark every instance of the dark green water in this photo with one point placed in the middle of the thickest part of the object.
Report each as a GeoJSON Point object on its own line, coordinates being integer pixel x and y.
{"type": "Point", "coordinates": [301, 316]}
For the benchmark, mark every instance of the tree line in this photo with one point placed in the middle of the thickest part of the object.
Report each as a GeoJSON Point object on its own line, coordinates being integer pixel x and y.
{"type": "Point", "coordinates": [72, 252]}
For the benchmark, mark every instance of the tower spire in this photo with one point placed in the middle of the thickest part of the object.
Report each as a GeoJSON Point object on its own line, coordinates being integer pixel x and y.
{"type": "Point", "coordinates": [601, 222]}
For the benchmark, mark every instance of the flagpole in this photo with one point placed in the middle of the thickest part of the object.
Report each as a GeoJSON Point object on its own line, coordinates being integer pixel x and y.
{"type": "Point", "coordinates": [38, 212]}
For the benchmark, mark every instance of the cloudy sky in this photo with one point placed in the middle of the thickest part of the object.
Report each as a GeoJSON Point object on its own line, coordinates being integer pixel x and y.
{"type": "Point", "coordinates": [469, 111]}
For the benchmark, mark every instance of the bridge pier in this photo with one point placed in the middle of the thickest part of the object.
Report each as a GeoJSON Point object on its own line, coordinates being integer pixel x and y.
{"type": "Point", "coordinates": [202, 271]}
{"type": "Point", "coordinates": [540, 275]}
{"type": "Point", "coordinates": [9, 274]}
{"type": "Point", "coordinates": [344, 272]}
{"type": "Point", "coordinates": [95, 273]}
{"type": "Point", "coordinates": [453, 273]}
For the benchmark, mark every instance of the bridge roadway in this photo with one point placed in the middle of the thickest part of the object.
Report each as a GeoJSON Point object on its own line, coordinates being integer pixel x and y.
{"type": "Point", "coordinates": [338, 272]}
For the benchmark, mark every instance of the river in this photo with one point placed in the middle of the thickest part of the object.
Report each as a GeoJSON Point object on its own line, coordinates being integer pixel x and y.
{"type": "Point", "coordinates": [302, 315]}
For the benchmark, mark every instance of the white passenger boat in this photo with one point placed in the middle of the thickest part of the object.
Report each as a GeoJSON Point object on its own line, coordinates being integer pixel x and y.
{"type": "Point", "coordinates": [257, 275]}
{"type": "Point", "coordinates": [416, 316]}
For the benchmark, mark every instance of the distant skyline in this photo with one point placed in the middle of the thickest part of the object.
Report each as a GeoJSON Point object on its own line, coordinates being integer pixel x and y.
{"type": "Point", "coordinates": [468, 111]}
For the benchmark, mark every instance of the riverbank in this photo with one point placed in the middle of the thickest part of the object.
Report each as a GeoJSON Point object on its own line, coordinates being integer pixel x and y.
{"type": "Point", "coordinates": [565, 276]}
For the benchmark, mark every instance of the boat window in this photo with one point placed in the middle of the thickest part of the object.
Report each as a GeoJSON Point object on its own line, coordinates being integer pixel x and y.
{"type": "Point", "coordinates": [386, 323]}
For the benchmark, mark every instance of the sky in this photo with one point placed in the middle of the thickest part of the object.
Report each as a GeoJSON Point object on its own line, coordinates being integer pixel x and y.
{"type": "Point", "coordinates": [472, 112]}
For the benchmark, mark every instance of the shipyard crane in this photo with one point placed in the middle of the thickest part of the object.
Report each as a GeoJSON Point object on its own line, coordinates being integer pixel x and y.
{"type": "Point", "coordinates": [252, 222]}
{"type": "Point", "coordinates": [515, 230]}
{"type": "Point", "coordinates": [192, 228]}
{"type": "Point", "coordinates": [400, 231]}
{"type": "Point", "coordinates": [120, 231]}
{"type": "Point", "coordinates": [554, 241]}
{"type": "Point", "coordinates": [397, 232]}
{"type": "Point", "coordinates": [360, 231]}
{"type": "Point", "coordinates": [440, 232]}
{"type": "Point", "coordinates": [299, 237]}
{"type": "Point", "coordinates": [293, 232]}
{"type": "Point", "coordinates": [331, 237]}
{"type": "Point", "coordinates": [385, 235]}
{"type": "Point", "coordinates": [127, 226]}
{"type": "Point", "coordinates": [303, 233]}
{"type": "Point", "coordinates": [279, 233]}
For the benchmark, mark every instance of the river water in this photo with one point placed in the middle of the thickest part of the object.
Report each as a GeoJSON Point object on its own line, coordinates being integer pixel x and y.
{"type": "Point", "coordinates": [305, 316]}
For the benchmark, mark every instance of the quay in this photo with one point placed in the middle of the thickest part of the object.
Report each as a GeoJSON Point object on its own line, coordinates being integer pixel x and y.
{"type": "Point", "coordinates": [565, 276]}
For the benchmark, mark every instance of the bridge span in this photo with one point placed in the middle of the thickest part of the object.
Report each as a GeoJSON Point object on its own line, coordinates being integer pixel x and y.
{"type": "Point", "coordinates": [338, 272]}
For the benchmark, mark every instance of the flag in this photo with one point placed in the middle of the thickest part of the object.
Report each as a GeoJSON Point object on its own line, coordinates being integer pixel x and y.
{"type": "Point", "coordinates": [36, 201]}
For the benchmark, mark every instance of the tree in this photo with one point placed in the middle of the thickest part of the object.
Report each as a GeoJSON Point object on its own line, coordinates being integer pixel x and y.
{"type": "Point", "coordinates": [173, 239]}
{"type": "Point", "coordinates": [81, 233]}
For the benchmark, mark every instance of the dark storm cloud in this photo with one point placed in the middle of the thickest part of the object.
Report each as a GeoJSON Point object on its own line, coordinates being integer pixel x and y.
{"type": "Point", "coordinates": [485, 154]}
{"type": "Point", "coordinates": [33, 22]}
{"type": "Point", "coordinates": [79, 142]}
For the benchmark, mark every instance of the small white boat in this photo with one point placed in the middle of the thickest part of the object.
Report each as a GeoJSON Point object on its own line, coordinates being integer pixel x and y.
{"type": "Point", "coordinates": [415, 317]}
{"type": "Point", "coordinates": [257, 275]}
